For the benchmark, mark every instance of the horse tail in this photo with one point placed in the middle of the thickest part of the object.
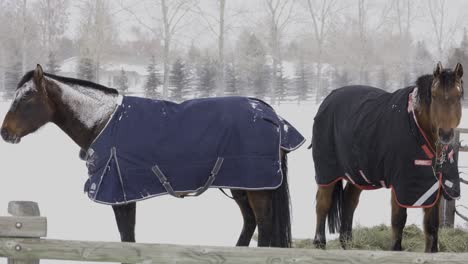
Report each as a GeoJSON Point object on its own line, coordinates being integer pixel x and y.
{"type": "Point", "coordinates": [281, 206]}
{"type": "Point", "coordinates": [336, 209]}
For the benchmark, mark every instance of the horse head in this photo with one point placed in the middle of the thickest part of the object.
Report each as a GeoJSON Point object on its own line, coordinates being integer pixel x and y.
{"type": "Point", "coordinates": [445, 109]}
{"type": "Point", "coordinates": [31, 107]}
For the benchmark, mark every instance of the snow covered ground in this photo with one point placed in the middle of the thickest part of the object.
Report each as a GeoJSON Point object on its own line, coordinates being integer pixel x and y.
{"type": "Point", "coordinates": [45, 168]}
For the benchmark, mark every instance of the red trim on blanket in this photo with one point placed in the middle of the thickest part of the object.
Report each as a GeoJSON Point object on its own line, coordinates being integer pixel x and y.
{"type": "Point", "coordinates": [430, 153]}
{"type": "Point", "coordinates": [368, 188]}
{"type": "Point", "coordinates": [362, 187]}
{"type": "Point", "coordinates": [422, 206]}
{"type": "Point", "coordinates": [426, 150]}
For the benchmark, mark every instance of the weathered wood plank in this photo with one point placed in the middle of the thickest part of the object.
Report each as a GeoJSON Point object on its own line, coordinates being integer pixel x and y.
{"type": "Point", "coordinates": [463, 148]}
{"type": "Point", "coordinates": [22, 226]}
{"type": "Point", "coordinates": [23, 208]}
{"type": "Point", "coordinates": [462, 130]}
{"type": "Point", "coordinates": [26, 209]}
{"type": "Point", "coordinates": [153, 253]}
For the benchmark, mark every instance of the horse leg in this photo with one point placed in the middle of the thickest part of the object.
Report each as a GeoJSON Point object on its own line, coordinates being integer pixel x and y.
{"type": "Point", "coordinates": [398, 223]}
{"type": "Point", "coordinates": [324, 202]}
{"type": "Point", "coordinates": [125, 216]}
{"type": "Point", "coordinates": [261, 204]}
{"type": "Point", "coordinates": [351, 200]}
{"type": "Point", "coordinates": [248, 215]}
{"type": "Point", "coordinates": [431, 228]}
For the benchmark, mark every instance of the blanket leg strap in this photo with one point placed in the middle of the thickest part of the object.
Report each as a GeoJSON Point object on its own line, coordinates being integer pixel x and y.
{"type": "Point", "coordinates": [166, 184]}
{"type": "Point", "coordinates": [211, 179]}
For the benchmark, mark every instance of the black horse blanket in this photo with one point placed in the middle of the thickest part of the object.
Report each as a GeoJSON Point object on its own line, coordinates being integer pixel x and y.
{"type": "Point", "coordinates": [155, 147]}
{"type": "Point", "coordinates": [371, 138]}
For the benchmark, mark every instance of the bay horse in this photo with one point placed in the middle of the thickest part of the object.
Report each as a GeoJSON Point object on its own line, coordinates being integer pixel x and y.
{"type": "Point", "coordinates": [401, 140]}
{"type": "Point", "coordinates": [83, 109]}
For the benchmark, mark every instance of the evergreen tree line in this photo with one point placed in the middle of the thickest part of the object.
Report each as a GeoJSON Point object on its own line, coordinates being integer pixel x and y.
{"type": "Point", "coordinates": [248, 73]}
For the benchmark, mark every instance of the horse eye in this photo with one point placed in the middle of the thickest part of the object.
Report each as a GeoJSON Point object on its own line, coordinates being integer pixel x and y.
{"type": "Point", "coordinates": [28, 94]}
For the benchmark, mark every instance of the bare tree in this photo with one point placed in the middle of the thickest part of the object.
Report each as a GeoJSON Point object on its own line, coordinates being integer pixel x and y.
{"type": "Point", "coordinates": [216, 25]}
{"type": "Point", "coordinates": [279, 16]}
{"type": "Point", "coordinates": [23, 36]}
{"type": "Point", "coordinates": [403, 10]}
{"type": "Point", "coordinates": [52, 19]}
{"type": "Point", "coordinates": [362, 29]}
{"type": "Point", "coordinates": [437, 12]}
{"type": "Point", "coordinates": [173, 13]}
{"type": "Point", "coordinates": [321, 12]}
{"type": "Point", "coordinates": [441, 26]}
{"type": "Point", "coordinates": [97, 31]}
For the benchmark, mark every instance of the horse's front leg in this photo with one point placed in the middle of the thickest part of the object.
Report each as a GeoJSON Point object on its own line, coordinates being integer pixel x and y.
{"type": "Point", "coordinates": [125, 216]}
{"type": "Point", "coordinates": [398, 223]}
{"type": "Point", "coordinates": [351, 201]}
{"type": "Point", "coordinates": [431, 228]}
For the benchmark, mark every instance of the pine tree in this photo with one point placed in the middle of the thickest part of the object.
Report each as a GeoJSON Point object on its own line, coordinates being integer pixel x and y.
{"type": "Point", "coordinates": [207, 78]}
{"type": "Point", "coordinates": [86, 69]}
{"type": "Point", "coordinates": [281, 85]}
{"type": "Point", "coordinates": [340, 79]}
{"type": "Point", "coordinates": [52, 65]}
{"type": "Point", "coordinates": [153, 80]}
{"type": "Point", "coordinates": [383, 79]}
{"type": "Point", "coordinates": [178, 81]}
{"type": "Point", "coordinates": [12, 77]}
{"type": "Point", "coordinates": [302, 91]}
{"type": "Point", "coordinates": [232, 79]}
{"type": "Point", "coordinates": [122, 81]}
{"type": "Point", "coordinates": [253, 71]}
{"type": "Point", "coordinates": [423, 63]}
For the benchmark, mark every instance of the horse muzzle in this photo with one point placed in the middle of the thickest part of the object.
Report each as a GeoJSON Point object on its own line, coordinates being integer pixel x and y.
{"type": "Point", "coordinates": [9, 137]}
{"type": "Point", "coordinates": [446, 136]}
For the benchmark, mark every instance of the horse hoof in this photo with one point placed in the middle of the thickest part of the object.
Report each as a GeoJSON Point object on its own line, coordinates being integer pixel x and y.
{"type": "Point", "coordinates": [432, 250]}
{"type": "Point", "coordinates": [320, 244]}
{"type": "Point", "coordinates": [397, 248]}
{"type": "Point", "coordinates": [345, 241]}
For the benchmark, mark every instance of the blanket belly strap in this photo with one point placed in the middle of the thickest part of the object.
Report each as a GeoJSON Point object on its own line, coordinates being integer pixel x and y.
{"type": "Point", "coordinates": [167, 185]}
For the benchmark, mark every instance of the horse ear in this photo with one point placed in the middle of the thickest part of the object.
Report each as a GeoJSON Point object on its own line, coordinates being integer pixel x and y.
{"type": "Point", "coordinates": [438, 70]}
{"type": "Point", "coordinates": [38, 77]}
{"type": "Point", "coordinates": [459, 70]}
{"type": "Point", "coordinates": [38, 73]}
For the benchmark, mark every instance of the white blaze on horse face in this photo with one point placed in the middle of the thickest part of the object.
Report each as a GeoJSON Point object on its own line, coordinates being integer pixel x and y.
{"type": "Point", "coordinates": [20, 92]}
{"type": "Point", "coordinates": [90, 106]}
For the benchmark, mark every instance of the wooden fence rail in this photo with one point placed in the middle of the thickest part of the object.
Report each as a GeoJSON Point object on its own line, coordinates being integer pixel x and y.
{"type": "Point", "coordinates": [20, 242]}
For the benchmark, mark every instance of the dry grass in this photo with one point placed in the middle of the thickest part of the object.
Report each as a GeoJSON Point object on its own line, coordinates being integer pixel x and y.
{"type": "Point", "coordinates": [379, 238]}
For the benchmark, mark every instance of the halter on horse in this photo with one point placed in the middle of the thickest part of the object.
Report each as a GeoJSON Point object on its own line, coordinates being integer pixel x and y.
{"type": "Point", "coordinates": [84, 109]}
{"type": "Point", "coordinates": [376, 139]}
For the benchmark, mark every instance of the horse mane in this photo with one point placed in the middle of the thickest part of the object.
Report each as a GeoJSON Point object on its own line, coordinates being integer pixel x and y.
{"type": "Point", "coordinates": [72, 81]}
{"type": "Point", "coordinates": [424, 84]}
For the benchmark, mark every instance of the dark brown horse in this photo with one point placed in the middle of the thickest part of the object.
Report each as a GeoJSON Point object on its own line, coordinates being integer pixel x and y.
{"type": "Point", "coordinates": [81, 109]}
{"type": "Point", "coordinates": [375, 139]}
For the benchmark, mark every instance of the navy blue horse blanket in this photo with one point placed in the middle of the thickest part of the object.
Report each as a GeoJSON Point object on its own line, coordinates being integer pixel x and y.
{"type": "Point", "coordinates": [155, 147]}
{"type": "Point", "coordinates": [371, 138]}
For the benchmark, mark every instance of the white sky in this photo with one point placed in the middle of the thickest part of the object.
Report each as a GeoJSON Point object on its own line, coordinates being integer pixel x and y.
{"type": "Point", "coordinates": [196, 31]}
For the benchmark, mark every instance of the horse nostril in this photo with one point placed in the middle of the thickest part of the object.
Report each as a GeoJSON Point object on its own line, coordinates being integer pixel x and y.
{"type": "Point", "coordinates": [4, 133]}
{"type": "Point", "coordinates": [446, 135]}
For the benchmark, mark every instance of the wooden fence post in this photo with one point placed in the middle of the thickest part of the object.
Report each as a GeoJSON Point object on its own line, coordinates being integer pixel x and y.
{"type": "Point", "coordinates": [23, 208]}
{"type": "Point", "coordinates": [447, 208]}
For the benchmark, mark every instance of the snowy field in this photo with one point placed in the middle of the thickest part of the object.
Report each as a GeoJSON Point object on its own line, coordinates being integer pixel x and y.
{"type": "Point", "coordinates": [45, 168]}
